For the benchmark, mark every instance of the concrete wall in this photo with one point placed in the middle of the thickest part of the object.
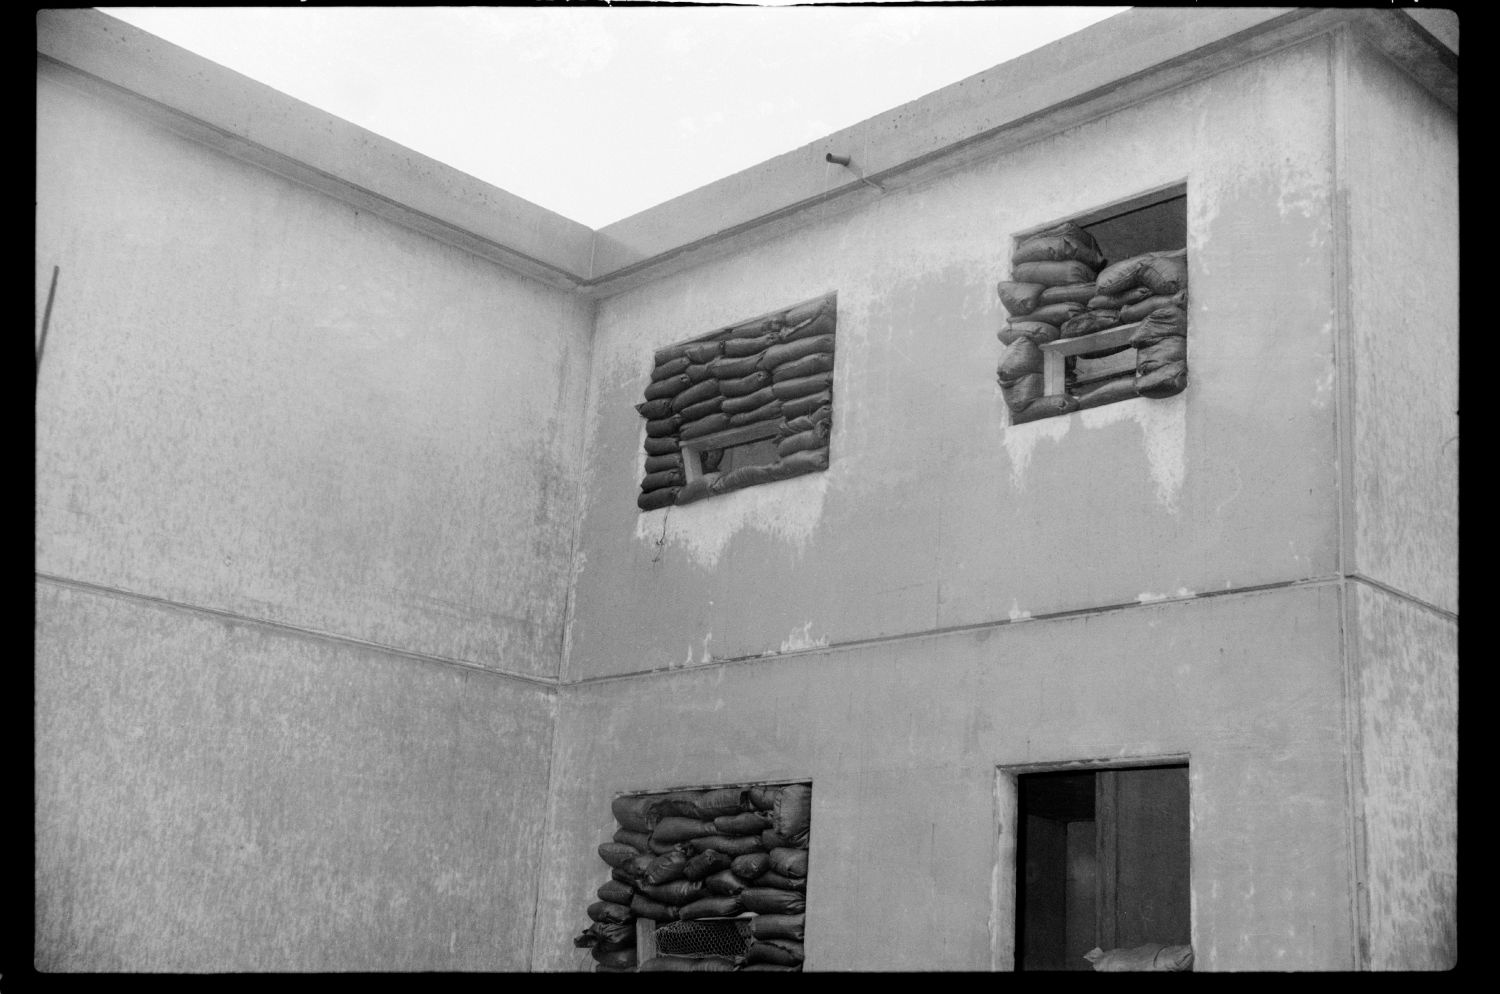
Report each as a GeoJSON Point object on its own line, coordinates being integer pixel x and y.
{"type": "Point", "coordinates": [292, 460]}
{"type": "Point", "coordinates": [1402, 356]}
{"type": "Point", "coordinates": [902, 739]}
{"type": "Point", "coordinates": [935, 514]}
{"type": "Point", "coordinates": [833, 589]}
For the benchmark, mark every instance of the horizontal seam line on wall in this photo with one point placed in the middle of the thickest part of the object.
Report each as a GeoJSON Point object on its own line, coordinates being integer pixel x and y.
{"type": "Point", "coordinates": [1394, 592]}
{"type": "Point", "coordinates": [299, 165]}
{"type": "Point", "coordinates": [285, 628]}
{"type": "Point", "coordinates": [954, 630]}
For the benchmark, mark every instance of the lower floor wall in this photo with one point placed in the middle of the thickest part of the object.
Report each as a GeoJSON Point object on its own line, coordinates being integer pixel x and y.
{"type": "Point", "coordinates": [214, 795]}
{"type": "Point", "coordinates": [907, 744]}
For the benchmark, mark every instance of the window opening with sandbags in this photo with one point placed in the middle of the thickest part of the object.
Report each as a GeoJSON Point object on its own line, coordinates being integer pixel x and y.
{"type": "Point", "coordinates": [1097, 309]}
{"type": "Point", "coordinates": [1102, 870]}
{"type": "Point", "coordinates": [708, 880]}
{"type": "Point", "coordinates": [745, 405]}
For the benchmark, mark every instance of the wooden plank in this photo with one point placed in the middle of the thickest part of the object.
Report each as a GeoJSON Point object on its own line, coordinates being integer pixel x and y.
{"type": "Point", "coordinates": [1105, 817]}
{"type": "Point", "coordinates": [734, 436]}
{"type": "Point", "coordinates": [645, 939]}
{"type": "Point", "coordinates": [1110, 338]}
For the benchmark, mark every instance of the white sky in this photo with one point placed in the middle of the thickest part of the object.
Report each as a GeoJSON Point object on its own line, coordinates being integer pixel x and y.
{"type": "Point", "coordinates": [597, 112]}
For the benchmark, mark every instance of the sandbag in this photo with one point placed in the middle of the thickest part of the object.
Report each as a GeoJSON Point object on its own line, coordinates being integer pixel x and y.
{"type": "Point", "coordinates": [739, 348]}
{"type": "Point", "coordinates": [768, 968]}
{"type": "Point", "coordinates": [1107, 392]}
{"type": "Point", "coordinates": [802, 405]}
{"type": "Point", "coordinates": [734, 845]}
{"type": "Point", "coordinates": [661, 446]}
{"type": "Point", "coordinates": [1089, 322]}
{"type": "Point", "coordinates": [1035, 330]}
{"type": "Point", "coordinates": [674, 892]}
{"type": "Point", "coordinates": [1164, 381]}
{"type": "Point", "coordinates": [636, 840]}
{"type": "Point", "coordinates": [1115, 301]}
{"type": "Point", "coordinates": [805, 422]}
{"type": "Point", "coordinates": [607, 937]}
{"type": "Point", "coordinates": [814, 438]}
{"type": "Point", "coordinates": [1149, 358]}
{"type": "Point", "coordinates": [766, 412]}
{"type": "Point", "coordinates": [726, 368]}
{"type": "Point", "coordinates": [745, 476]}
{"type": "Point", "coordinates": [617, 853]}
{"type": "Point", "coordinates": [609, 912]}
{"type": "Point", "coordinates": [789, 862]}
{"type": "Point", "coordinates": [764, 798]}
{"type": "Point", "coordinates": [666, 868]}
{"type": "Point", "coordinates": [653, 410]}
{"type": "Point", "coordinates": [1163, 273]}
{"type": "Point", "coordinates": [659, 427]}
{"type": "Point", "coordinates": [807, 461]}
{"type": "Point", "coordinates": [743, 823]}
{"type": "Point", "coordinates": [724, 883]}
{"type": "Point", "coordinates": [806, 312]}
{"type": "Point", "coordinates": [823, 324]}
{"type": "Point", "coordinates": [773, 879]}
{"type": "Point", "coordinates": [750, 401]}
{"type": "Point", "coordinates": [697, 490]}
{"type": "Point", "coordinates": [1063, 241]}
{"type": "Point", "coordinates": [663, 478]}
{"type": "Point", "coordinates": [676, 804]}
{"type": "Point", "coordinates": [658, 911]}
{"type": "Point", "coordinates": [779, 355]}
{"type": "Point", "coordinates": [719, 801]}
{"type": "Point", "coordinates": [1043, 407]}
{"type": "Point", "coordinates": [1073, 293]}
{"type": "Point", "coordinates": [615, 892]}
{"type": "Point", "coordinates": [772, 901]}
{"type": "Point", "coordinates": [689, 964]}
{"type": "Point", "coordinates": [699, 372]}
{"type": "Point", "coordinates": [1019, 299]}
{"type": "Point", "coordinates": [677, 829]}
{"type": "Point", "coordinates": [701, 352]}
{"type": "Point", "coordinates": [771, 840]}
{"type": "Point", "coordinates": [1053, 273]}
{"type": "Point", "coordinates": [1022, 393]}
{"type": "Point", "coordinates": [713, 906]}
{"type": "Point", "coordinates": [672, 460]}
{"type": "Point", "coordinates": [637, 866]}
{"type": "Point", "coordinates": [1164, 322]}
{"type": "Point", "coordinates": [802, 386]}
{"type": "Point", "coordinates": [671, 367]}
{"type": "Point", "coordinates": [624, 876]}
{"type": "Point", "coordinates": [669, 387]}
{"type": "Point", "coordinates": [820, 362]}
{"type": "Point", "coordinates": [694, 412]}
{"type": "Point", "coordinates": [704, 426]}
{"type": "Point", "coordinates": [620, 959]}
{"type": "Point", "coordinates": [1139, 311]}
{"type": "Point", "coordinates": [695, 394]}
{"type": "Point", "coordinates": [743, 386]}
{"type": "Point", "coordinates": [656, 499]}
{"type": "Point", "coordinates": [1055, 314]}
{"type": "Point", "coordinates": [662, 848]}
{"type": "Point", "coordinates": [751, 865]}
{"type": "Point", "coordinates": [705, 864]}
{"type": "Point", "coordinates": [778, 927]}
{"type": "Point", "coordinates": [1152, 956]}
{"type": "Point", "coordinates": [1022, 358]}
{"type": "Point", "coordinates": [783, 952]}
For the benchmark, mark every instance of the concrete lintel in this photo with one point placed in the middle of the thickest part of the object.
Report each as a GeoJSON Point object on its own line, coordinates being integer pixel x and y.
{"type": "Point", "coordinates": [252, 121]}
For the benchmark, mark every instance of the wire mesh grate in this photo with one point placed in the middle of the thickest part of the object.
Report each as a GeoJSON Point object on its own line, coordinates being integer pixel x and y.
{"type": "Point", "coordinates": [729, 937]}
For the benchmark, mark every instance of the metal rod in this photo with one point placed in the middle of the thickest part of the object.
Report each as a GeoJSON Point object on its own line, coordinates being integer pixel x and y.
{"type": "Point", "coordinates": [844, 160]}
{"type": "Point", "coordinates": [46, 320]}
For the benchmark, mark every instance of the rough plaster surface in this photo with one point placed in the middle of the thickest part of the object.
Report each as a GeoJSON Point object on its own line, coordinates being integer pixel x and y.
{"type": "Point", "coordinates": [216, 796]}
{"type": "Point", "coordinates": [1407, 686]}
{"type": "Point", "coordinates": [1403, 217]}
{"type": "Point", "coordinates": [935, 513]}
{"type": "Point", "coordinates": [901, 741]}
{"type": "Point", "coordinates": [258, 399]}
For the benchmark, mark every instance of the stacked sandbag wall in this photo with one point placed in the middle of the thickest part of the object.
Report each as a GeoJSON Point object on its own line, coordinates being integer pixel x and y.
{"type": "Point", "coordinates": [1061, 286]}
{"type": "Point", "coordinates": [774, 370]}
{"type": "Point", "coordinates": [717, 853]}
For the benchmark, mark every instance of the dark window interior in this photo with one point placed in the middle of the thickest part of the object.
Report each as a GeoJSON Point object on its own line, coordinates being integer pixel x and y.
{"type": "Point", "coordinates": [758, 453]}
{"type": "Point", "coordinates": [1102, 860]}
{"type": "Point", "coordinates": [1157, 227]}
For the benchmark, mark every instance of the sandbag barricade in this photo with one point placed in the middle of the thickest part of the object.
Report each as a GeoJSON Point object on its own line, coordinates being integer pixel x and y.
{"type": "Point", "coordinates": [704, 855]}
{"type": "Point", "coordinates": [1062, 287]}
{"type": "Point", "coordinates": [767, 371]}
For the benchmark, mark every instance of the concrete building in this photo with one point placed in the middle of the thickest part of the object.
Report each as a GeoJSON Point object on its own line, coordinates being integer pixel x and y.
{"type": "Point", "coordinates": [349, 628]}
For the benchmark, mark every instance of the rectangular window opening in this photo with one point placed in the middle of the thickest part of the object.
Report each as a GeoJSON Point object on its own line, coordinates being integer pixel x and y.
{"type": "Point", "coordinates": [1101, 862]}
